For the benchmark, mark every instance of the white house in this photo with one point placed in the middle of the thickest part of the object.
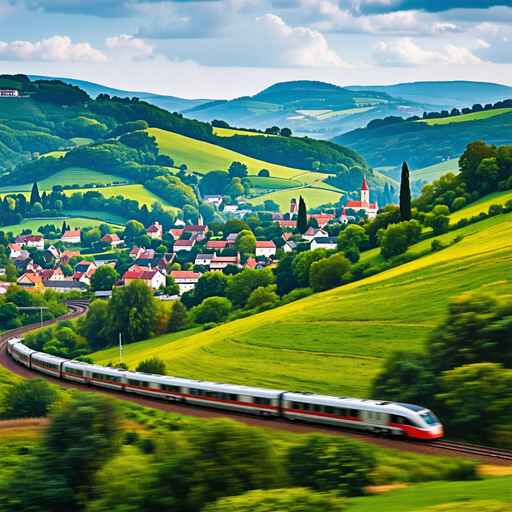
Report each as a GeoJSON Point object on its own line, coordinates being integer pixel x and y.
{"type": "Point", "coordinates": [230, 207]}
{"type": "Point", "coordinates": [36, 241]}
{"type": "Point", "coordinates": [370, 209]}
{"type": "Point", "coordinates": [344, 218]}
{"type": "Point", "coordinates": [113, 240]}
{"type": "Point", "coordinates": [213, 199]}
{"type": "Point", "coordinates": [153, 278]}
{"type": "Point", "coordinates": [136, 252]}
{"type": "Point", "coordinates": [8, 93]}
{"type": "Point", "coordinates": [328, 242]}
{"type": "Point", "coordinates": [176, 233]}
{"type": "Point", "coordinates": [204, 259]}
{"type": "Point", "coordinates": [289, 246]}
{"type": "Point", "coordinates": [265, 249]}
{"type": "Point", "coordinates": [314, 233]}
{"type": "Point", "coordinates": [183, 245]}
{"type": "Point", "coordinates": [15, 250]}
{"type": "Point", "coordinates": [155, 231]}
{"type": "Point", "coordinates": [186, 279]}
{"type": "Point", "coordinates": [71, 237]}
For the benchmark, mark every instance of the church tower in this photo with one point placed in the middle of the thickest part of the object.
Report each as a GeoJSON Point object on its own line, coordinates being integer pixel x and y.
{"type": "Point", "coordinates": [365, 192]}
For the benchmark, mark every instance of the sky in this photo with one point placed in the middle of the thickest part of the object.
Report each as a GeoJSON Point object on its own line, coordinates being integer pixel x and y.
{"type": "Point", "coordinates": [231, 48]}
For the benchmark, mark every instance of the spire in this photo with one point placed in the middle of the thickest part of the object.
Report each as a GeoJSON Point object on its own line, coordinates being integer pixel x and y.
{"type": "Point", "coordinates": [365, 186]}
{"type": "Point", "coordinates": [343, 212]}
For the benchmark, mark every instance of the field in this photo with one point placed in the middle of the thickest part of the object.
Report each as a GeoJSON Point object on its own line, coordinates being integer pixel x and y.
{"type": "Point", "coordinates": [81, 140]}
{"type": "Point", "coordinates": [467, 117]}
{"type": "Point", "coordinates": [56, 154]}
{"type": "Point", "coordinates": [335, 342]}
{"type": "Point", "coordinates": [69, 176]}
{"type": "Point", "coordinates": [274, 183]}
{"type": "Point", "coordinates": [228, 132]}
{"type": "Point", "coordinates": [107, 217]}
{"type": "Point", "coordinates": [78, 222]}
{"type": "Point", "coordinates": [433, 172]}
{"type": "Point", "coordinates": [347, 112]}
{"type": "Point", "coordinates": [481, 205]}
{"type": "Point", "coordinates": [202, 157]}
{"type": "Point", "coordinates": [313, 196]}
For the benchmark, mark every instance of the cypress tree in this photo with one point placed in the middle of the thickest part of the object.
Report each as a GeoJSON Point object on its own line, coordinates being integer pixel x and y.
{"type": "Point", "coordinates": [34, 195]}
{"type": "Point", "coordinates": [405, 194]}
{"type": "Point", "coordinates": [302, 217]}
{"type": "Point", "coordinates": [64, 228]}
{"type": "Point", "coordinates": [386, 194]}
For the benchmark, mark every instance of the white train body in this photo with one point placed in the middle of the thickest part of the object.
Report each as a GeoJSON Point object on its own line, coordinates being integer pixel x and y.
{"type": "Point", "coordinates": [373, 415]}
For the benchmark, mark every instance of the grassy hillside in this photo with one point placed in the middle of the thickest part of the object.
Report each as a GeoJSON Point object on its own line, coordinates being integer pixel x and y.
{"type": "Point", "coordinates": [433, 172]}
{"type": "Point", "coordinates": [481, 205]}
{"type": "Point", "coordinates": [228, 132]}
{"type": "Point", "coordinates": [78, 222]}
{"type": "Point", "coordinates": [467, 117]}
{"type": "Point", "coordinates": [335, 342]}
{"type": "Point", "coordinates": [202, 157]}
{"type": "Point", "coordinates": [313, 196]}
{"type": "Point", "coordinates": [274, 183]}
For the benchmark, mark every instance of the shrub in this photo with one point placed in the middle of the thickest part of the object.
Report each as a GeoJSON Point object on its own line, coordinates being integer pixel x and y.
{"type": "Point", "coordinates": [29, 399]}
{"type": "Point", "coordinates": [131, 438]}
{"type": "Point", "coordinates": [154, 365]}
{"type": "Point", "coordinates": [436, 245]}
{"type": "Point", "coordinates": [209, 325]}
{"type": "Point", "coordinates": [495, 209]}
{"type": "Point", "coordinates": [297, 294]}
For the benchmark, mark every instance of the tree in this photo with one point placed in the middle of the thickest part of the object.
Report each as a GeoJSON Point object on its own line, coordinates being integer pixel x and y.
{"type": "Point", "coordinates": [88, 238]}
{"type": "Point", "coordinates": [240, 286]}
{"type": "Point", "coordinates": [396, 238]}
{"type": "Point", "coordinates": [64, 227]}
{"type": "Point", "coordinates": [245, 242]}
{"type": "Point", "coordinates": [264, 173]}
{"type": "Point", "coordinates": [67, 337]}
{"type": "Point", "coordinates": [353, 236]}
{"type": "Point", "coordinates": [37, 209]}
{"type": "Point", "coordinates": [132, 230]}
{"type": "Point", "coordinates": [103, 278]}
{"type": "Point", "coordinates": [234, 226]}
{"type": "Point", "coordinates": [11, 273]}
{"type": "Point", "coordinates": [286, 132]}
{"type": "Point", "coordinates": [237, 170]}
{"type": "Point", "coordinates": [328, 272]}
{"type": "Point", "coordinates": [94, 325]}
{"type": "Point", "coordinates": [154, 365]}
{"type": "Point", "coordinates": [178, 318]}
{"type": "Point", "coordinates": [405, 194]}
{"type": "Point", "coordinates": [34, 195]}
{"type": "Point", "coordinates": [210, 284]}
{"type": "Point", "coordinates": [302, 218]}
{"type": "Point", "coordinates": [131, 312]}
{"type": "Point", "coordinates": [8, 315]}
{"type": "Point", "coordinates": [262, 295]}
{"type": "Point", "coordinates": [213, 309]}
{"type": "Point", "coordinates": [302, 263]}
{"type": "Point", "coordinates": [214, 182]}
{"type": "Point", "coordinates": [171, 288]}
{"type": "Point", "coordinates": [438, 219]}
{"type": "Point", "coordinates": [285, 279]}
{"type": "Point", "coordinates": [270, 206]}
{"type": "Point", "coordinates": [29, 399]}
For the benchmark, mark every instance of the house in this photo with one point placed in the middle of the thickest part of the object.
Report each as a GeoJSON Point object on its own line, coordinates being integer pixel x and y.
{"type": "Point", "coordinates": [322, 219]}
{"type": "Point", "coordinates": [176, 233]}
{"type": "Point", "coordinates": [344, 218]}
{"type": "Point", "coordinates": [251, 263]}
{"type": "Point", "coordinates": [15, 250]}
{"type": "Point", "coordinates": [155, 230]}
{"type": "Point", "coordinates": [217, 245]}
{"type": "Point", "coordinates": [203, 259]}
{"type": "Point", "coordinates": [179, 222]}
{"type": "Point", "coordinates": [31, 280]}
{"type": "Point", "coordinates": [157, 261]}
{"type": "Point", "coordinates": [294, 207]}
{"type": "Point", "coordinates": [230, 207]}
{"type": "Point", "coordinates": [313, 233]}
{"type": "Point", "coordinates": [198, 230]}
{"type": "Point", "coordinates": [287, 223]}
{"type": "Point", "coordinates": [113, 239]}
{"type": "Point", "coordinates": [265, 248]}
{"type": "Point", "coordinates": [53, 274]}
{"type": "Point", "coordinates": [231, 238]}
{"type": "Point", "coordinates": [277, 216]}
{"type": "Point", "coordinates": [85, 266]}
{"type": "Point", "coordinates": [153, 278]}
{"type": "Point", "coordinates": [221, 262]}
{"type": "Point", "coordinates": [66, 257]}
{"type": "Point", "coordinates": [327, 242]}
{"type": "Point", "coordinates": [71, 237]}
{"type": "Point", "coordinates": [52, 253]}
{"type": "Point", "coordinates": [81, 277]}
{"type": "Point", "coordinates": [183, 245]}
{"type": "Point", "coordinates": [365, 205]}
{"type": "Point", "coordinates": [136, 252]}
{"type": "Point", "coordinates": [212, 199]}
{"type": "Point", "coordinates": [287, 235]}
{"type": "Point", "coordinates": [8, 93]}
{"type": "Point", "coordinates": [23, 264]}
{"type": "Point", "coordinates": [64, 286]}
{"type": "Point", "coordinates": [35, 241]}
{"type": "Point", "coordinates": [186, 279]}
{"type": "Point", "coordinates": [131, 275]}
{"type": "Point", "coordinates": [291, 245]}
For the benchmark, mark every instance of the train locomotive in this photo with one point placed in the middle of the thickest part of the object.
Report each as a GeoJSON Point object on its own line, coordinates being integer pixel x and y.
{"type": "Point", "coordinates": [379, 417]}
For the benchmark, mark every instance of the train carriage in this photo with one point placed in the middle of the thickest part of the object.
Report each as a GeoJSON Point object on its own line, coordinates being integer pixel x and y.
{"type": "Point", "coordinates": [106, 377]}
{"type": "Point", "coordinates": [19, 352]}
{"type": "Point", "coordinates": [47, 363]}
{"type": "Point", "coordinates": [76, 370]}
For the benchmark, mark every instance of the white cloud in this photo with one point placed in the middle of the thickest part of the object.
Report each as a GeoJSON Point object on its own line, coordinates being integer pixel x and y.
{"type": "Point", "coordinates": [294, 47]}
{"type": "Point", "coordinates": [56, 48]}
{"type": "Point", "coordinates": [483, 43]}
{"type": "Point", "coordinates": [126, 43]}
{"type": "Point", "coordinates": [403, 52]}
{"type": "Point", "coordinates": [497, 39]}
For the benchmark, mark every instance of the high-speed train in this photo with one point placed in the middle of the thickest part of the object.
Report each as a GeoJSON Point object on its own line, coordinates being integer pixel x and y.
{"type": "Point", "coordinates": [379, 417]}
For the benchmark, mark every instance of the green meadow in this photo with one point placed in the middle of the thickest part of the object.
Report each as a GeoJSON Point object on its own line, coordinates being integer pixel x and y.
{"type": "Point", "coordinates": [78, 222]}
{"type": "Point", "coordinates": [228, 132]}
{"type": "Point", "coordinates": [481, 205]}
{"type": "Point", "coordinates": [273, 183]}
{"type": "Point", "coordinates": [203, 157]}
{"type": "Point", "coordinates": [313, 196]}
{"type": "Point", "coordinates": [467, 117]}
{"type": "Point", "coordinates": [433, 172]}
{"type": "Point", "coordinates": [335, 342]}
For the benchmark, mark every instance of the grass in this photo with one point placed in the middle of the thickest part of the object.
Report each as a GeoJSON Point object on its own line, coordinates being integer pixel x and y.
{"type": "Point", "coordinates": [347, 112]}
{"type": "Point", "coordinates": [78, 222]}
{"type": "Point", "coordinates": [481, 205]}
{"type": "Point", "coordinates": [107, 217]}
{"type": "Point", "coordinates": [202, 157]}
{"type": "Point", "coordinates": [334, 342]}
{"type": "Point", "coordinates": [417, 497]}
{"type": "Point", "coordinates": [467, 117]}
{"type": "Point", "coordinates": [274, 183]}
{"type": "Point", "coordinates": [81, 140]}
{"type": "Point", "coordinates": [228, 132]}
{"type": "Point", "coordinates": [313, 196]}
{"type": "Point", "coordinates": [56, 154]}
{"type": "Point", "coordinates": [433, 172]}
{"type": "Point", "coordinates": [70, 176]}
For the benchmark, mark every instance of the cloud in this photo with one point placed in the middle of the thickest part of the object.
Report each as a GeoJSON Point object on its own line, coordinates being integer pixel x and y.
{"type": "Point", "coordinates": [403, 52]}
{"type": "Point", "coordinates": [498, 42]}
{"type": "Point", "coordinates": [126, 43]}
{"type": "Point", "coordinates": [433, 6]}
{"type": "Point", "coordinates": [55, 48]}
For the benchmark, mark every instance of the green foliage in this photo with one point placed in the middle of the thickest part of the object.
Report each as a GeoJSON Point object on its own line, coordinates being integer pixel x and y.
{"type": "Point", "coordinates": [302, 220]}
{"type": "Point", "coordinates": [212, 309]}
{"type": "Point", "coordinates": [240, 286]}
{"type": "Point", "coordinates": [302, 263]}
{"type": "Point", "coordinates": [237, 170]}
{"type": "Point", "coordinates": [245, 242]}
{"type": "Point", "coordinates": [297, 499]}
{"type": "Point", "coordinates": [173, 190]}
{"type": "Point", "coordinates": [103, 278]}
{"type": "Point", "coordinates": [331, 464]}
{"type": "Point", "coordinates": [328, 272]}
{"type": "Point", "coordinates": [154, 365]}
{"type": "Point", "coordinates": [285, 279]}
{"type": "Point", "coordinates": [29, 399]}
{"type": "Point", "coordinates": [262, 296]}
{"type": "Point", "coordinates": [95, 321]}
{"type": "Point", "coordinates": [396, 238]}
{"type": "Point", "coordinates": [405, 194]}
{"type": "Point", "coordinates": [353, 237]}
{"type": "Point", "coordinates": [438, 219]}
{"type": "Point", "coordinates": [234, 226]}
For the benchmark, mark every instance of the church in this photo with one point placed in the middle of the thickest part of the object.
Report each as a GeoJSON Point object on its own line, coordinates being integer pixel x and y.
{"type": "Point", "coordinates": [370, 209]}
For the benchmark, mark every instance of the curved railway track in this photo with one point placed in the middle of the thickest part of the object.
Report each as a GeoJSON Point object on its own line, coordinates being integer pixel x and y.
{"type": "Point", "coordinates": [439, 447]}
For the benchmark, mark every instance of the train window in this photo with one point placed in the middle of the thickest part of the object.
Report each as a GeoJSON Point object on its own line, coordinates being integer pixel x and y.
{"type": "Point", "coordinates": [329, 409]}
{"type": "Point", "coordinates": [429, 418]}
{"type": "Point", "coordinates": [295, 405]}
{"type": "Point", "coordinates": [171, 389]}
{"type": "Point", "coordinates": [317, 408]}
{"type": "Point", "coordinates": [306, 407]}
{"type": "Point", "coordinates": [261, 401]}
{"type": "Point", "coordinates": [132, 382]}
{"type": "Point", "coordinates": [353, 413]}
{"type": "Point", "coordinates": [342, 412]}
{"type": "Point", "coordinates": [377, 415]}
{"type": "Point", "coordinates": [233, 397]}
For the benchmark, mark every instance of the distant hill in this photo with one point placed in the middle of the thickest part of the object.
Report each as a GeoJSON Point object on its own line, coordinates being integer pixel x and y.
{"type": "Point", "coordinates": [447, 94]}
{"type": "Point", "coordinates": [170, 103]}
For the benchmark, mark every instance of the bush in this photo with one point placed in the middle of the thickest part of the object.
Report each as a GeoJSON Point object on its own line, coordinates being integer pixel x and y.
{"type": "Point", "coordinates": [154, 365]}
{"type": "Point", "coordinates": [29, 399]}
{"type": "Point", "coordinates": [495, 209]}
{"type": "Point", "coordinates": [209, 325]}
{"type": "Point", "coordinates": [297, 294]}
{"type": "Point", "coordinates": [131, 438]}
{"type": "Point", "coordinates": [436, 245]}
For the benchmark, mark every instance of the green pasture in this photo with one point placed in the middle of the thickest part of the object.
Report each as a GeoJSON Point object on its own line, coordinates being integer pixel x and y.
{"type": "Point", "coordinates": [313, 197]}
{"type": "Point", "coordinates": [324, 186]}
{"type": "Point", "coordinates": [70, 176]}
{"type": "Point", "coordinates": [347, 112]}
{"type": "Point", "coordinates": [81, 140]}
{"type": "Point", "coordinates": [274, 183]}
{"type": "Point", "coordinates": [334, 342]}
{"type": "Point", "coordinates": [103, 216]}
{"type": "Point", "coordinates": [78, 222]}
{"type": "Point", "coordinates": [202, 157]}
{"type": "Point", "coordinates": [462, 496]}
{"type": "Point", "coordinates": [433, 172]}
{"type": "Point", "coordinates": [228, 132]}
{"type": "Point", "coordinates": [467, 117]}
{"type": "Point", "coordinates": [481, 205]}
{"type": "Point", "coordinates": [310, 177]}
{"type": "Point", "coordinates": [56, 154]}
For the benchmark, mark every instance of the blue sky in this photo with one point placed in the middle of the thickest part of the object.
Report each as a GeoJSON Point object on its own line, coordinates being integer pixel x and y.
{"type": "Point", "coordinates": [231, 48]}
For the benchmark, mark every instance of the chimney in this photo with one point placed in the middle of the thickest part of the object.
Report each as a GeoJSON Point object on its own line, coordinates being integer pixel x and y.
{"type": "Point", "coordinates": [149, 265]}
{"type": "Point", "coordinates": [200, 220]}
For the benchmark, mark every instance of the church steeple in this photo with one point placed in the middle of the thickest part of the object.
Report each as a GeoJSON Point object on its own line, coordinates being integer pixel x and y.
{"type": "Point", "coordinates": [365, 192]}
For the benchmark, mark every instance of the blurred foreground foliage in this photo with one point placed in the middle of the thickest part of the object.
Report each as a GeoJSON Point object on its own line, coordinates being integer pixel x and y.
{"type": "Point", "coordinates": [464, 373]}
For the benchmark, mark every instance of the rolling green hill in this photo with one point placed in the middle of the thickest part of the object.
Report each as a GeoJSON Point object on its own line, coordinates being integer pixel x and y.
{"type": "Point", "coordinates": [78, 222]}
{"type": "Point", "coordinates": [313, 196]}
{"type": "Point", "coordinates": [466, 117]}
{"type": "Point", "coordinates": [334, 342]}
{"type": "Point", "coordinates": [433, 172]}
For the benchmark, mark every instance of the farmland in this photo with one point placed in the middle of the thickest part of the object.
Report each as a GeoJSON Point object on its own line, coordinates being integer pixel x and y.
{"type": "Point", "coordinates": [78, 222]}
{"type": "Point", "coordinates": [433, 172]}
{"type": "Point", "coordinates": [481, 205]}
{"type": "Point", "coordinates": [334, 342]}
{"type": "Point", "coordinates": [274, 183]}
{"type": "Point", "coordinates": [228, 132]}
{"type": "Point", "coordinates": [202, 157]}
{"type": "Point", "coordinates": [486, 114]}
{"type": "Point", "coordinates": [313, 197]}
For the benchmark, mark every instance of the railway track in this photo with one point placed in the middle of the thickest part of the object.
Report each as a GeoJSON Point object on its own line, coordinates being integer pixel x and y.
{"type": "Point", "coordinates": [79, 308]}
